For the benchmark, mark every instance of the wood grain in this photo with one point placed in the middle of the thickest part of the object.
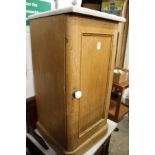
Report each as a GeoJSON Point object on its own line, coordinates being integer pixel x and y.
{"type": "Point", "coordinates": [80, 25]}
{"type": "Point", "coordinates": [65, 59]}
{"type": "Point", "coordinates": [48, 54]}
{"type": "Point", "coordinates": [94, 77]}
{"type": "Point", "coordinates": [122, 35]}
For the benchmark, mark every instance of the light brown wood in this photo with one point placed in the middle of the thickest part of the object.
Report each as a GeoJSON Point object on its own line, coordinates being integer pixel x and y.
{"type": "Point", "coordinates": [84, 25]}
{"type": "Point", "coordinates": [66, 59]}
{"type": "Point", "coordinates": [122, 85]}
{"type": "Point", "coordinates": [125, 36]}
{"type": "Point", "coordinates": [112, 109]}
{"type": "Point", "coordinates": [48, 54]}
{"type": "Point", "coordinates": [122, 36]}
{"type": "Point", "coordinates": [92, 105]}
{"type": "Point", "coordinates": [124, 109]}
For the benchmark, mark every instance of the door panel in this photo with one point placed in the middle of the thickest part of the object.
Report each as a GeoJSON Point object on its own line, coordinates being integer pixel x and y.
{"type": "Point", "coordinates": [95, 58]}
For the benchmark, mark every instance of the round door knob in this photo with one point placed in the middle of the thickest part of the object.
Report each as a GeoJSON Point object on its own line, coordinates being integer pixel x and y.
{"type": "Point", "coordinates": [77, 94]}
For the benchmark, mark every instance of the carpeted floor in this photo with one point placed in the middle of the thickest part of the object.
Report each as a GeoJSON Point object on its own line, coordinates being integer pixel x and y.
{"type": "Point", "coordinates": [119, 144]}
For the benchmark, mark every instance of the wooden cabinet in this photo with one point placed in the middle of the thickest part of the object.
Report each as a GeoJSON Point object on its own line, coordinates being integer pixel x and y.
{"type": "Point", "coordinates": [73, 59]}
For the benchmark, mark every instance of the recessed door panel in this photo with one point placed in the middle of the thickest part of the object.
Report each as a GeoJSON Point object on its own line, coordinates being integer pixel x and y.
{"type": "Point", "coordinates": [95, 60]}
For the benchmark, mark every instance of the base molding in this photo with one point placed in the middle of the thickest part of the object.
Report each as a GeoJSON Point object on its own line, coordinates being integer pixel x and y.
{"type": "Point", "coordinates": [81, 149]}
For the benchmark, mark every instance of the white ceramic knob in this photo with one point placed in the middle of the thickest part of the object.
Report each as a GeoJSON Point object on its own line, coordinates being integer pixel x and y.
{"type": "Point", "coordinates": [77, 94]}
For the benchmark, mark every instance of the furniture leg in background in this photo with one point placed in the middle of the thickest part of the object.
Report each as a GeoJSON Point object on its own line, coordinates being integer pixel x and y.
{"type": "Point", "coordinates": [117, 109]}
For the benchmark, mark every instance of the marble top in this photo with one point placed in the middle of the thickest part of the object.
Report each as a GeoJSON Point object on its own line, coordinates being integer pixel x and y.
{"type": "Point", "coordinates": [79, 10]}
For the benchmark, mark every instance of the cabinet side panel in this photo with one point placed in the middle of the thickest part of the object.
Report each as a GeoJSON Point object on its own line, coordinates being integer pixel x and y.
{"type": "Point", "coordinates": [48, 54]}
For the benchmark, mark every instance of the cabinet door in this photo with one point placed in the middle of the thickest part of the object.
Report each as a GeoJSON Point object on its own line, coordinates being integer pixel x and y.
{"type": "Point", "coordinates": [95, 60]}
{"type": "Point", "coordinates": [90, 55]}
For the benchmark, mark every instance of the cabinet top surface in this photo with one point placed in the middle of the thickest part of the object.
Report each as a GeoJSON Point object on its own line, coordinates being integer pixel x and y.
{"type": "Point", "coordinates": [79, 10]}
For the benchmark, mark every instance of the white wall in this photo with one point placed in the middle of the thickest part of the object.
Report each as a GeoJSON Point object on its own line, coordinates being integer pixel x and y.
{"type": "Point", "coordinates": [126, 60]}
{"type": "Point", "coordinates": [29, 71]}
{"type": "Point", "coordinates": [126, 65]}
